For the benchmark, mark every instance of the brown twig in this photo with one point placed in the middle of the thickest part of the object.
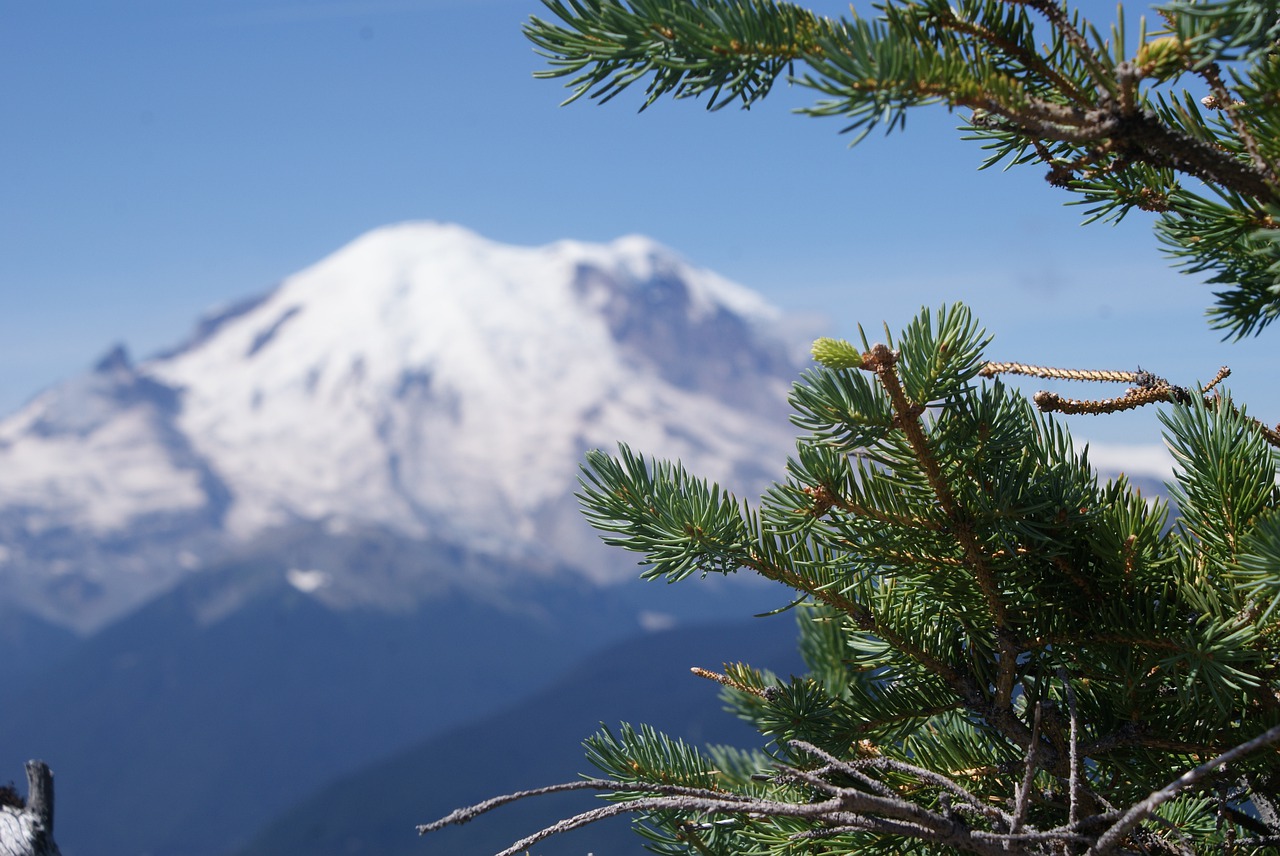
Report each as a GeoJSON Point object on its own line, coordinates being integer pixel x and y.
{"type": "Point", "coordinates": [1051, 402]}
{"type": "Point", "coordinates": [1149, 389]}
{"type": "Point", "coordinates": [727, 681]}
{"type": "Point", "coordinates": [992, 369]}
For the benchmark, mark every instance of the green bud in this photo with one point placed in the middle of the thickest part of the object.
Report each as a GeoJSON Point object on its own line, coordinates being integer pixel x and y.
{"type": "Point", "coordinates": [1163, 59]}
{"type": "Point", "coordinates": [837, 354]}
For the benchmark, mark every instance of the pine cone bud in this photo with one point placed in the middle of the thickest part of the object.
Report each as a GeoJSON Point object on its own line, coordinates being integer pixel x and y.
{"type": "Point", "coordinates": [1163, 59]}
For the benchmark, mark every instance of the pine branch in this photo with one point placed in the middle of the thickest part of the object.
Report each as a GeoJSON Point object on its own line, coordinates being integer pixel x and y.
{"type": "Point", "coordinates": [870, 808]}
{"type": "Point", "coordinates": [962, 685]}
{"type": "Point", "coordinates": [961, 553]}
{"type": "Point", "coordinates": [729, 51]}
{"type": "Point", "coordinates": [881, 360]}
{"type": "Point", "coordinates": [1110, 839]}
{"type": "Point", "coordinates": [1102, 124]}
{"type": "Point", "coordinates": [928, 681]}
{"type": "Point", "coordinates": [1222, 100]}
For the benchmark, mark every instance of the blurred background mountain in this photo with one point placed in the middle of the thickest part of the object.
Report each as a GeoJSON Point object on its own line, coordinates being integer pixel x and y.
{"type": "Point", "coordinates": [339, 521]}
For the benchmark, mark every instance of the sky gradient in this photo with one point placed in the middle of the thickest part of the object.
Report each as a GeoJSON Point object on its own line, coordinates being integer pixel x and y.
{"type": "Point", "coordinates": [162, 158]}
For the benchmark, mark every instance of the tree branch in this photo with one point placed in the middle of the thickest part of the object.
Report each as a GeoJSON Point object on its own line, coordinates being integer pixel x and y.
{"type": "Point", "coordinates": [1140, 811]}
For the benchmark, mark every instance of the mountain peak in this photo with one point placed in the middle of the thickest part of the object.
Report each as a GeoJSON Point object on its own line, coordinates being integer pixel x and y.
{"type": "Point", "coordinates": [421, 379]}
{"type": "Point", "coordinates": [116, 359]}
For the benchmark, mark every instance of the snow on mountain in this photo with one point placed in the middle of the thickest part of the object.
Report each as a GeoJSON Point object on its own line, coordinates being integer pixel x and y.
{"type": "Point", "coordinates": [421, 380]}
{"type": "Point", "coordinates": [93, 451]}
{"type": "Point", "coordinates": [419, 338]}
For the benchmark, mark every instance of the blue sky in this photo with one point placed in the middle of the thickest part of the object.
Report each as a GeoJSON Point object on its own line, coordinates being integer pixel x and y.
{"type": "Point", "coordinates": [159, 158]}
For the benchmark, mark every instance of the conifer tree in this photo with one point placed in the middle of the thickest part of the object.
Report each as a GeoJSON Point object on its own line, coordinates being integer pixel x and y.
{"type": "Point", "coordinates": [1005, 653]}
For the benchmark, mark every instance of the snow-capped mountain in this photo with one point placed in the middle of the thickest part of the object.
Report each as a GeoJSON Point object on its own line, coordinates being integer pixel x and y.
{"type": "Point", "coordinates": [422, 381]}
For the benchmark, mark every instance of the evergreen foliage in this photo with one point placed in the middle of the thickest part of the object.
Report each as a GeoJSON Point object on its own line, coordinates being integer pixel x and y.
{"type": "Point", "coordinates": [1005, 654]}
{"type": "Point", "coordinates": [1104, 112]}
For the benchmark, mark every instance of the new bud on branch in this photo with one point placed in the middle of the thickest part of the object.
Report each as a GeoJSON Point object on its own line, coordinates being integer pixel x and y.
{"type": "Point", "coordinates": [837, 354]}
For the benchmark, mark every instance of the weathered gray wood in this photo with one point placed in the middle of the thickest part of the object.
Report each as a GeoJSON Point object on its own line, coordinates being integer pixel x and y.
{"type": "Point", "coordinates": [27, 830]}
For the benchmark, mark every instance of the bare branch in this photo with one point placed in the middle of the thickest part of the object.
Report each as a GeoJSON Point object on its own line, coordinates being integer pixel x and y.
{"type": "Point", "coordinates": [1028, 775]}
{"type": "Point", "coordinates": [469, 813]}
{"type": "Point", "coordinates": [1073, 813]}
